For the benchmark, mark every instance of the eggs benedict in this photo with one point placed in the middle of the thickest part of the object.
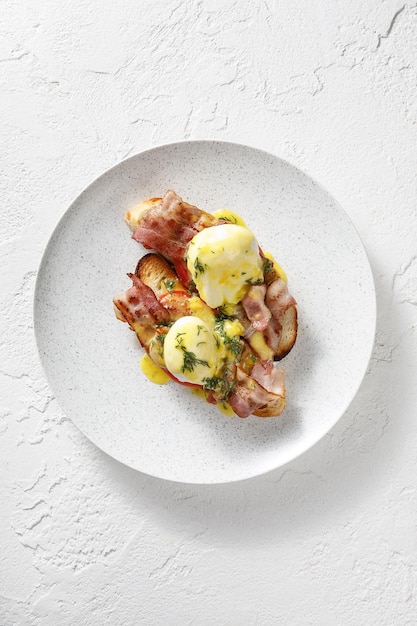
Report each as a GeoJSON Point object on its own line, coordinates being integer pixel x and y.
{"type": "Point", "coordinates": [210, 308]}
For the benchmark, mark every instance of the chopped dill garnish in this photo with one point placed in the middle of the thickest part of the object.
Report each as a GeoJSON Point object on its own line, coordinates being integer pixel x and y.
{"type": "Point", "coordinates": [221, 385]}
{"type": "Point", "coordinates": [250, 281]}
{"type": "Point", "coordinates": [164, 324]}
{"type": "Point", "coordinates": [190, 359]}
{"type": "Point", "coordinates": [199, 267]}
{"type": "Point", "coordinates": [231, 219]}
{"type": "Point", "coordinates": [169, 284]}
{"type": "Point", "coordinates": [192, 289]}
{"type": "Point", "coordinates": [221, 315]}
{"type": "Point", "coordinates": [234, 344]}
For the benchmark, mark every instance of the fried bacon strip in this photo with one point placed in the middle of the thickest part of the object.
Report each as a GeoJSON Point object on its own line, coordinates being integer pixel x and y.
{"type": "Point", "coordinates": [255, 307]}
{"type": "Point", "coordinates": [278, 299]}
{"type": "Point", "coordinates": [139, 304]}
{"type": "Point", "coordinates": [170, 226]}
{"type": "Point", "coordinates": [249, 394]}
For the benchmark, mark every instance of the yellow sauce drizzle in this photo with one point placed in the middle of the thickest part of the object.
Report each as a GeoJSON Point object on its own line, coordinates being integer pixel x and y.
{"type": "Point", "coordinates": [152, 371]}
{"type": "Point", "coordinates": [224, 408]}
{"type": "Point", "coordinates": [201, 310]}
{"type": "Point", "coordinates": [230, 216]}
{"type": "Point", "coordinates": [196, 391]}
{"type": "Point", "coordinates": [258, 343]}
{"type": "Point", "coordinates": [277, 267]}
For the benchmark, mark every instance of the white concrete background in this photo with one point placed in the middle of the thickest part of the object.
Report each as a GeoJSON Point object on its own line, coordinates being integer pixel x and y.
{"type": "Point", "coordinates": [331, 538]}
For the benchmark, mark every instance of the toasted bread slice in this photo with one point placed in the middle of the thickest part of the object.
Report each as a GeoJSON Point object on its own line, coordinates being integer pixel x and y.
{"type": "Point", "coordinates": [273, 408]}
{"type": "Point", "coordinates": [134, 216]}
{"type": "Point", "coordinates": [289, 323]}
{"type": "Point", "coordinates": [155, 271]}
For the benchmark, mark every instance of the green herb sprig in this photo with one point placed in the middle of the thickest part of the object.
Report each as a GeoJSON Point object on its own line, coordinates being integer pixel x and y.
{"type": "Point", "coordinates": [221, 385]}
{"type": "Point", "coordinates": [199, 267]}
{"type": "Point", "coordinates": [169, 284]}
{"type": "Point", "coordinates": [190, 358]}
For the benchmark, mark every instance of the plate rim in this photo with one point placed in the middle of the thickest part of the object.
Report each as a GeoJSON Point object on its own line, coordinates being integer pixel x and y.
{"type": "Point", "coordinates": [372, 338]}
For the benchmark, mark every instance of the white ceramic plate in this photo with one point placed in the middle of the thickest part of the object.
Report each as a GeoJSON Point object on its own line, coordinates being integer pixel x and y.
{"type": "Point", "coordinates": [92, 360]}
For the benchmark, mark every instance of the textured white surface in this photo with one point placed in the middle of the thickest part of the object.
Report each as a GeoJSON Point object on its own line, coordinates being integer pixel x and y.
{"type": "Point", "coordinates": [329, 539]}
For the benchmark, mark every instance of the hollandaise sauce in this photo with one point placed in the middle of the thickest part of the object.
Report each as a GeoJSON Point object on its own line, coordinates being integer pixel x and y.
{"type": "Point", "coordinates": [223, 407]}
{"type": "Point", "coordinates": [230, 216]}
{"type": "Point", "coordinates": [277, 267]}
{"type": "Point", "coordinates": [226, 409]}
{"type": "Point", "coordinates": [152, 371]}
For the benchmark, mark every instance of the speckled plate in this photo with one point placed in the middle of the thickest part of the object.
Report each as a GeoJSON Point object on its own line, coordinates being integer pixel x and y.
{"type": "Point", "coordinates": [92, 360]}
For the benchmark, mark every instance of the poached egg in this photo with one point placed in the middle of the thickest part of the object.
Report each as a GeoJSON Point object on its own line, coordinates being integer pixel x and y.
{"type": "Point", "coordinates": [224, 261]}
{"type": "Point", "coordinates": [190, 350]}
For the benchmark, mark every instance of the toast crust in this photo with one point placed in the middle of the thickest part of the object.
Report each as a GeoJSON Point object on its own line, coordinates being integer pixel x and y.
{"type": "Point", "coordinates": [289, 323]}
{"type": "Point", "coordinates": [273, 408]}
{"type": "Point", "coordinates": [155, 271]}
